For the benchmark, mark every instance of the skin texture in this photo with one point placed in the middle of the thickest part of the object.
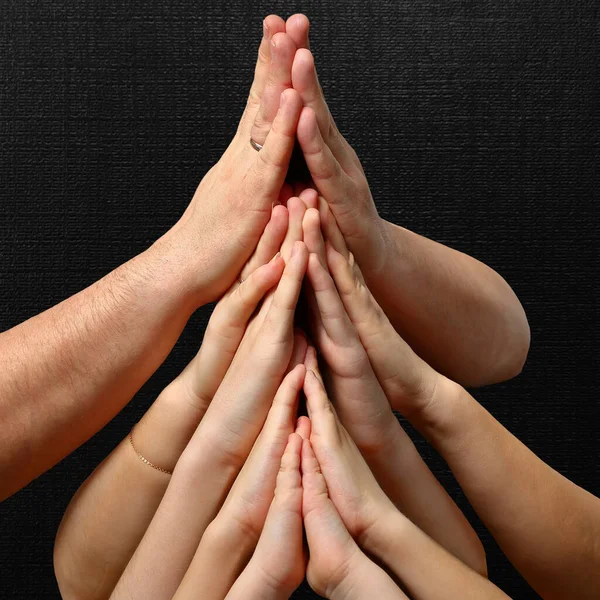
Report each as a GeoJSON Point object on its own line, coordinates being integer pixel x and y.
{"type": "Point", "coordinates": [102, 344]}
{"type": "Point", "coordinates": [337, 568]}
{"type": "Point", "coordinates": [367, 415]}
{"type": "Point", "coordinates": [374, 522]}
{"type": "Point", "coordinates": [220, 445]}
{"type": "Point", "coordinates": [457, 313]}
{"type": "Point", "coordinates": [117, 502]}
{"type": "Point", "coordinates": [277, 569]}
{"type": "Point", "coordinates": [547, 526]}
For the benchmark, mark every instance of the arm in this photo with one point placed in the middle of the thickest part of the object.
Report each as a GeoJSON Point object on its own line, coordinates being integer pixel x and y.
{"type": "Point", "coordinates": [107, 517]}
{"type": "Point", "coordinates": [424, 568]}
{"type": "Point", "coordinates": [220, 445]}
{"type": "Point", "coordinates": [548, 527]}
{"type": "Point", "coordinates": [66, 372]}
{"type": "Point", "coordinates": [457, 313]}
{"type": "Point", "coordinates": [366, 413]}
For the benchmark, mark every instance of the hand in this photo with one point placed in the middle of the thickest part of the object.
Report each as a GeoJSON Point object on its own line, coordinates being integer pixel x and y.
{"type": "Point", "coordinates": [336, 567]}
{"type": "Point", "coordinates": [336, 170]}
{"type": "Point", "coordinates": [366, 414]}
{"type": "Point", "coordinates": [102, 525]}
{"type": "Point", "coordinates": [232, 204]}
{"type": "Point", "coordinates": [221, 443]}
{"type": "Point", "coordinates": [229, 541]}
{"type": "Point", "coordinates": [373, 521]}
{"type": "Point", "coordinates": [277, 566]}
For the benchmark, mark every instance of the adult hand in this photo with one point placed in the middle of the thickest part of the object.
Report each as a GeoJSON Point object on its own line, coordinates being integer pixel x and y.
{"type": "Point", "coordinates": [232, 204]}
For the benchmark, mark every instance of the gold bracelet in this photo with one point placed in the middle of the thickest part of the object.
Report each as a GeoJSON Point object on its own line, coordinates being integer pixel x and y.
{"type": "Point", "coordinates": [144, 459]}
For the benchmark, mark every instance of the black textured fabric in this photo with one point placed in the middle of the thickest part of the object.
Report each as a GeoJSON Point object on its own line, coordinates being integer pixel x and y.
{"type": "Point", "coordinates": [477, 123]}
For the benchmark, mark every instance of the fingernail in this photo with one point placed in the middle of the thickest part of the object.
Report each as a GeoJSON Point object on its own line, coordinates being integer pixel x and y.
{"type": "Point", "coordinates": [265, 30]}
{"type": "Point", "coordinates": [276, 257]}
{"type": "Point", "coordinates": [295, 249]}
{"type": "Point", "coordinates": [282, 100]}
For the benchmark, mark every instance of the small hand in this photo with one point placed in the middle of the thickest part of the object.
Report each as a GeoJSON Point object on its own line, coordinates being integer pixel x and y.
{"type": "Point", "coordinates": [336, 567]}
{"type": "Point", "coordinates": [277, 566]}
{"type": "Point", "coordinates": [229, 541]}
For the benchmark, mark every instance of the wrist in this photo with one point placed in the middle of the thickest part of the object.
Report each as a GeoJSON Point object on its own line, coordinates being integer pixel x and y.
{"type": "Point", "coordinates": [178, 266]}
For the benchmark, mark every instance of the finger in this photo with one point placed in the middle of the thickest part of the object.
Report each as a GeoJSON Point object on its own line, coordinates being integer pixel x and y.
{"type": "Point", "coordinates": [225, 331]}
{"type": "Point", "coordinates": [330, 228]}
{"type": "Point", "coordinates": [321, 413]}
{"type": "Point", "coordinates": [296, 209]}
{"type": "Point", "coordinates": [398, 369]}
{"type": "Point", "coordinates": [325, 170]}
{"type": "Point", "coordinates": [336, 322]}
{"type": "Point", "coordinates": [299, 350]}
{"type": "Point", "coordinates": [305, 81]}
{"type": "Point", "coordinates": [270, 241]}
{"type": "Point", "coordinates": [313, 482]}
{"type": "Point", "coordinates": [271, 26]}
{"type": "Point", "coordinates": [288, 477]}
{"type": "Point", "coordinates": [313, 238]}
{"type": "Point", "coordinates": [279, 79]}
{"type": "Point", "coordinates": [297, 27]}
{"type": "Point", "coordinates": [282, 309]}
{"type": "Point", "coordinates": [274, 158]}
{"type": "Point", "coordinates": [310, 197]}
{"type": "Point", "coordinates": [311, 362]}
{"type": "Point", "coordinates": [303, 427]}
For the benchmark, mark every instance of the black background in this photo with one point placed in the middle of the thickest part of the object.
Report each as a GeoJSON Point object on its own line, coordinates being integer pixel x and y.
{"type": "Point", "coordinates": [477, 123]}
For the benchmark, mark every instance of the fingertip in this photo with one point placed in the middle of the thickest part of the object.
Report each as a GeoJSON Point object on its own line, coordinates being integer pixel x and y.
{"type": "Point", "coordinates": [310, 197]}
{"type": "Point", "coordinates": [272, 24]}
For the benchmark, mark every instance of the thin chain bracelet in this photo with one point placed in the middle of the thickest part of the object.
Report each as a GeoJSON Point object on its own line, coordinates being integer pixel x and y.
{"type": "Point", "coordinates": [144, 459]}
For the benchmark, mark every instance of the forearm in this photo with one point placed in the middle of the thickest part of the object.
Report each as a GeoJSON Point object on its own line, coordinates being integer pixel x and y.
{"type": "Point", "coordinates": [107, 517]}
{"type": "Point", "coordinates": [69, 370]}
{"type": "Point", "coordinates": [426, 570]}
{"type": "Point", "coordinates": [548, 527]}
{"type": "Point", "coordinates": [456, 312]}
{"type": "Point", "coordinates": [412, 487]}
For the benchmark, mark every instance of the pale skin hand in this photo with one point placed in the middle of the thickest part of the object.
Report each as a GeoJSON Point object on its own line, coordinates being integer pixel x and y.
{"type": "Point", "coordinates": [367, 415]}
{"type": "Point", "coordinates": [108, 516]}
{"type": "Point", "coordinates": [102, 344]}
{"type": "Point", "coordinates": [424, 568]}
{"type": "Point", "coordinates": [457, 313]}
{"type": "Point", "coordinates": [548, 527]}
{"type": "Point", "coordinates": [229, 541]}
{"type": "Point", "coordinates": [277, 565]}
{"type": "Point", "coordinates": [220, 445]}
{"type": "Point", "coordinates": [337, 568]}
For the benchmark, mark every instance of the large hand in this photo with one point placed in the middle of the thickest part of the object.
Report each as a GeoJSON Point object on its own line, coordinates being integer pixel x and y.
{"type": "Point", "coordinates": [336, 170]}
{"type": "Point", "coordinates": [232, 204]}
